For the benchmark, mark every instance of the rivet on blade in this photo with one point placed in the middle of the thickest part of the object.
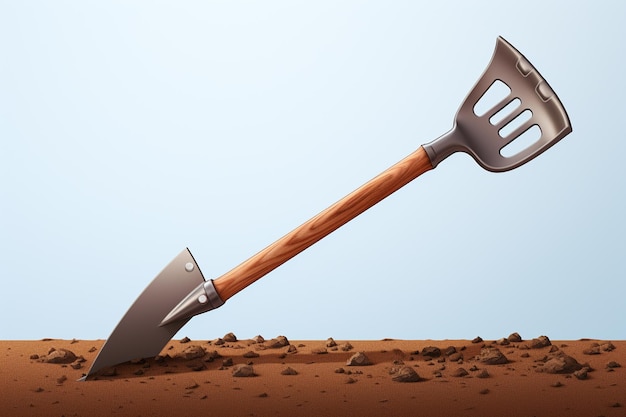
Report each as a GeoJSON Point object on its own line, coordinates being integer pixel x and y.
{"type": "Point", "coordinates": [188, 267]}
{"type": "Point", "coordinates": [203, 299]}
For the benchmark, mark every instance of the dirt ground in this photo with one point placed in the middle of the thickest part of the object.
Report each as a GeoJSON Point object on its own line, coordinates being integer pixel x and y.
{"type": "Point", "coordinates": [280, 377]}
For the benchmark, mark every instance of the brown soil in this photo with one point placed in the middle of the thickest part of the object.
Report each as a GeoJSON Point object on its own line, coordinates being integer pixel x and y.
{"type": "Point", "coordinates": [311, 378]}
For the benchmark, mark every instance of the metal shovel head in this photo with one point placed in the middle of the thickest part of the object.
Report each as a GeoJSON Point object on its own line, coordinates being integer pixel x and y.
{"type": "Point", "coordinates": [527, 104]}
{"type": "Point", "coordinates": [138, 334]}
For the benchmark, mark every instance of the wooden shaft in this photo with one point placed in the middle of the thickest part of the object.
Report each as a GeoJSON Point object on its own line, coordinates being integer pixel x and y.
{"type": "Point", "coordinates": [323, 224]}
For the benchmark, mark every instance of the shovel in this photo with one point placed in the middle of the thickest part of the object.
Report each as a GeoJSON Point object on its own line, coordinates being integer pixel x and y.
{"type": "Point", "coordinates": [484, 129]}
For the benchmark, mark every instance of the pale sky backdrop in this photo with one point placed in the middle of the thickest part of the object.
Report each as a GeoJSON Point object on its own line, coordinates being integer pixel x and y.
{"type": "Point", "coordinates": [130, 130]}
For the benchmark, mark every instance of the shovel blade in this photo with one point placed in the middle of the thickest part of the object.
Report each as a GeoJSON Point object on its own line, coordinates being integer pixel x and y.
{"type": "Point", "coordinates": [139, 333]}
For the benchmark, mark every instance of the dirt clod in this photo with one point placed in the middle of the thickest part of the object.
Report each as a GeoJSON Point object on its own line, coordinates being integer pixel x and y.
{"type": "Point", "coordinates": [192, 352]}
{"type": "Point", "coordinates": [289, 371]}
{"type": "Point", "coordinates": [278, 342]}
{"type": "Point", "coordinates": [243, 371]}
{"type": "Point", "coordinates": [229, 337]}
{"type": "Point", "coordinates": [60, 356]}
{"type": "Point", "coordinates": [540, 342]}
{"type": "Point", "coordinates": [406, 374]}
{"type": "Point", "coordinates": [561, 364]}
{"type": "Point", "coordinates": [358, 359]}
{"type": "Point", "coordinates": [431, 352]}
{"type": "Point", "coordinates": [346, 347]}
{"type": "Point", "coordinates": [492, 356]}
{"type": "Point", "coordinates": [482, 374]}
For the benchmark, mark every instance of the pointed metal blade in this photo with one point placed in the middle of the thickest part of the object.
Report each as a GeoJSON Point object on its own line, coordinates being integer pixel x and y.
{"type": "Point", "coordinates": [139, 333]}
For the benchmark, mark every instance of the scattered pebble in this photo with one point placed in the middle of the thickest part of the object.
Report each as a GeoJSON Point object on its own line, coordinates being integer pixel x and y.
{"type": "Point", "coordinates": [607, 347]}
{"type": "Point", "coordinates": [556, 384]}
{"type": "Point", "coordinates": [34, 357]}
{"type": "Point", "coordinates": [358, 359]}
{"type": "Point", "coordinates": [319, 351]}
{"type": "Point", "coordinates": [346, 347]}
{"type": "Point", "coordinates": [514, 338]}
{"type": "Point", "coordinates": [211, 356]}
{"type": "Point", "coordinates": [431, 352]}
{"type": "Point", "coordinates": [289, 371]}
{"type": "Point", "coordinates": [278, 342]}
{"type": "Point", "coordinates": [492, 356]}
{"type": "Point", "coordinates": [193, 385]}
{"type": "Point", "coordinates": [227, 362]}
{"type": "Point", "coordinates": [540, 342]}
{"type": "Point", "coordinates": [258, 339]}
{"type": "Point", "coordinates": [192, 352]}
{"type": "Point", "coordinates": [477, 339]}
{"type": "Point", "coordinates": [406, 374]}
{"type": "Point", "coordinates": [263, 395]}
{"type": "Point", "coordinates": [60, 356]}
{"type": "Point", "coordinates": [61, 379]}
{"type": "Point", "coordinates": [484, 391]}
{"type": "Point", "coordinates": [581, 373]}
{"type": "Point", "coordinates": [594, 350]}
{"type": "Point", "coordinates": [459, 373]}
{"type": "Point", "coordinates": [350, 380]}
{"type": "Point", "coordinates": [450, 350]}
{"type": "Point", "coordinates": [229, 338]}
{"type": "Point", "coordinates": [185, 340]}
{"type": "Point", "coordinates": [250, 354]}
{"type": "Point", "coordinates": [482, 374]}
{"type": "Point", "coordinates": [561, 364]}
{"type": "Point", "coordinates": [243, 371]}
{"type": "Point", "coordinates": [292, 349]}
{"type": "Point", "coordinates": [330, 342]}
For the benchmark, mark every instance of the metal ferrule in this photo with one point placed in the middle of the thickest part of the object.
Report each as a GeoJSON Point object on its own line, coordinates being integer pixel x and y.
{"type": "Point", "coordinates": [202, 299]}
{"type": "Point", "coordinates": [444, 146]}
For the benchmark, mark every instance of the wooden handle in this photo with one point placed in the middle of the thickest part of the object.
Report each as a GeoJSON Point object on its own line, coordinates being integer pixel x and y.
{"type": "Point", "coordinates": [323, 224]}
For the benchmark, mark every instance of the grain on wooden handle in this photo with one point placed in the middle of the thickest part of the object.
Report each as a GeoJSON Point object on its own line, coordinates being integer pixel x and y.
{"type": "Point", "coordinates": [324, 223]}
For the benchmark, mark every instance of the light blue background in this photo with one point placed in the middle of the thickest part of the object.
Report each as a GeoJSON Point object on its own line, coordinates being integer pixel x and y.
{"type": "Point", "coordinates": [130, 130]}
